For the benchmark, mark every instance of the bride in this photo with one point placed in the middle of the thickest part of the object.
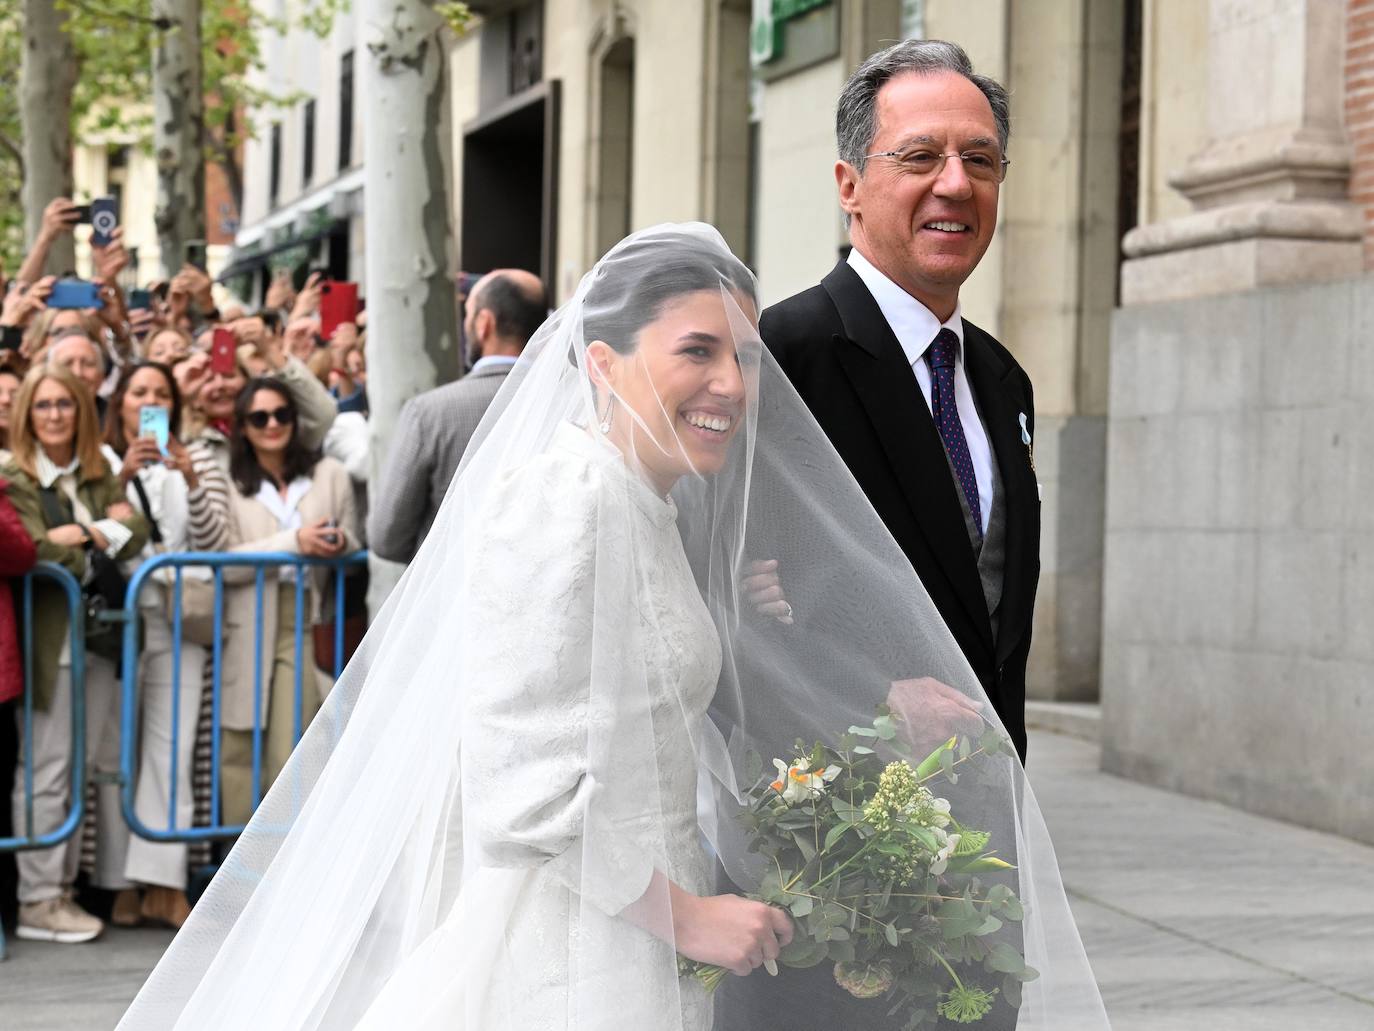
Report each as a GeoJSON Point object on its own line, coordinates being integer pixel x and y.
{"type": "Point", "coordinates": [508, 812]}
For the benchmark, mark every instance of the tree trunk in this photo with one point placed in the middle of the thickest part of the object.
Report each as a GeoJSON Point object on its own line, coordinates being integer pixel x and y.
{"type": "Point", "coordinates": [47, 76]}
{"type": "Point", "coordinates": [412, 325]}
{"type": "Point", "coordinates": [178, 131]}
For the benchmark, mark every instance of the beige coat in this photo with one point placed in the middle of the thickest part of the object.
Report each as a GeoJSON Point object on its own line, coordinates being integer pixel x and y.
{"type": "Point", "coordinates": [253, 528]}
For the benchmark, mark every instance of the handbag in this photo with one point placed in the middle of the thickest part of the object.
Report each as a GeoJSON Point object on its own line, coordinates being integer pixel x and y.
{"type": "Point", "coordinates": [197, 596]}
{"type": "Point", "coordinates": [104, 589]}
{"type": "Point", "coordinates": [354, 616]}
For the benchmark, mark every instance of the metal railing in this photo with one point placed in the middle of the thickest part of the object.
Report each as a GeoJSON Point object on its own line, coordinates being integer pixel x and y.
{"type": "Point", "coordinates": [257, 565]}
{"type": "Point", "coordinates": [255, 568]}
{"type": "Point", "coordinates": [27, 836]}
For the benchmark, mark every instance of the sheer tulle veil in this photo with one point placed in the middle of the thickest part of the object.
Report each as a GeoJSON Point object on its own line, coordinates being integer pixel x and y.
{"type": "Point", "coordinates": [500, 770]}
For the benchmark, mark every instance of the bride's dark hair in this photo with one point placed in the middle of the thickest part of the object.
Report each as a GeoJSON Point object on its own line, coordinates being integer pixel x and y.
{"type": "Point", "coordinates": [638, 277]}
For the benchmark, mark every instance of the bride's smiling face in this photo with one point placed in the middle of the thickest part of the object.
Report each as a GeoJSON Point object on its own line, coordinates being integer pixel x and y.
{"type": "Point", "coordinates": [684, 382]}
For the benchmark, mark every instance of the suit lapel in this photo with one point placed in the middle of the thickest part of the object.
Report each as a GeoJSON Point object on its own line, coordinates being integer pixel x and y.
{"type": "Point", "coordinates": [1002, 409]}
{"type": "Point", "coordinates": [877, 368]}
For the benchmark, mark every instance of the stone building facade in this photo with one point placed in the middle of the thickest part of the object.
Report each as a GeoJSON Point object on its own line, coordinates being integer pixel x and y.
{"type": "Point", "coordinates": [1238, 643]}
{"type": "Point", "coordinates": [1181, 266]}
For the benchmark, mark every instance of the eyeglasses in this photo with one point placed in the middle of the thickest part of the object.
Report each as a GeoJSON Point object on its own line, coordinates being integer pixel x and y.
{"type": "Point", "coordinates": [282, 416]}
{"type": "Point", "coordinates": [926, 163]}
{"type": "Point", "coordinates": [62, 406]}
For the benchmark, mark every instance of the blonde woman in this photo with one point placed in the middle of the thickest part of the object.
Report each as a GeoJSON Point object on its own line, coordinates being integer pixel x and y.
{"type": "Point", "coordinates": [74, 508]}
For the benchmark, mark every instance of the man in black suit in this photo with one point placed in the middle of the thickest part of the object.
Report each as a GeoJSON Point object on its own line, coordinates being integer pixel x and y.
{"type": "Point", "coordinates": [932, 415]}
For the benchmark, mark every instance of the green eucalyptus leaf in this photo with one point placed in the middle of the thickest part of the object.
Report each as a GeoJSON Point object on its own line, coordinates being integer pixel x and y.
{"type": "Point", "coordinates": [802, 906]}
{"type": "Point", "coordinates": [803, 953]}
{"type": "Point", "coordinates": [1004, 959]}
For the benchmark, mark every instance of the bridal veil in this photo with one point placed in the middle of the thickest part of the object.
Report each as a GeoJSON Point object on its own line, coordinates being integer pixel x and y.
{"type": "Point", "coordinates": [512, 714]}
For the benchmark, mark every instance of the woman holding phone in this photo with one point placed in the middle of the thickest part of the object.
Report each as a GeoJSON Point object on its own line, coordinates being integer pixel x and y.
{"type": "Point", "coordinates": [185, 497]}
{"type": "Point", "coordinates": [287, 498]}
{"type": "Point", "coordinates": [74, 508]}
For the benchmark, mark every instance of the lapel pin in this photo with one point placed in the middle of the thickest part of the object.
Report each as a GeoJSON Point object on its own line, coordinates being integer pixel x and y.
{"type": "Point", "coordinates": [1026, 439]}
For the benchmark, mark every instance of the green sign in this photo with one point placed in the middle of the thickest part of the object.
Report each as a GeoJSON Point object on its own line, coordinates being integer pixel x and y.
{"type": "Point", "coordinates": [770, 21]}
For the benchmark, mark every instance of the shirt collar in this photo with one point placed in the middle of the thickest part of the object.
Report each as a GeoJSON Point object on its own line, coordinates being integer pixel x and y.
{"type": "Point", "coordinates": [283, 509]}
{"type": "Point", "coordinates": [49, 472]}
{"type": "Point", "coordinates": [914, 325]}
{"type": "Point", "coordinates": [493, 361]}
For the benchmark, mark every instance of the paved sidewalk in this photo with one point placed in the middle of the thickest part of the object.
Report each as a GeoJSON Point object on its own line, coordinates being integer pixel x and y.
{"type": "Point", "coordinates": [1196, 917]}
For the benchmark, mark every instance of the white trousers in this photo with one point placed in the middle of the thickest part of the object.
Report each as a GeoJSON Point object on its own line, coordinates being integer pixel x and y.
{"type": "Point", "coordinates": [47, 873]}
{"type": "Point", "coordinates": [151, 862]}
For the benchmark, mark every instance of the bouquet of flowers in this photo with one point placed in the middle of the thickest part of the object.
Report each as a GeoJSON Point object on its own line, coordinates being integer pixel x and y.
{"type": "Point", "coordinates": [881, 878]}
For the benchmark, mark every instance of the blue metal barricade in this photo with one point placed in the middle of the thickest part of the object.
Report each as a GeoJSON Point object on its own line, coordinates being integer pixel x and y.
{"type": "Point", "coordinates": [256, 567]}
{"type": "Point", "coordinates": [28, 836]}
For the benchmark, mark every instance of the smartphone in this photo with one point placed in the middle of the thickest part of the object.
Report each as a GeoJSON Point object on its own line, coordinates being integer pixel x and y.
{"type": "Point", "coordinates": [153, 422]}
{"type": "Point", "coordinates": [104, 221]}
{"type": "Point", "coordinates": [140, 299]}
{"type": "Point", "coordinates": [78, 214]}
{"type": "Point", "coordinates": [195, 254]}
{"type": "Point", "coordinates": [223, 352]}
{"type": "Point", "coordinates": [11, 337]}
{"type": "Point", "coordinates": [75, 293]}
{"type": "Point", "coordinates": [338, 304]}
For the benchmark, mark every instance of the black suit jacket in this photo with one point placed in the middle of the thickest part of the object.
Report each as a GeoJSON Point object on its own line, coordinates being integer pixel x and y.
{"type": "Point", "coordinates": [844, 360]}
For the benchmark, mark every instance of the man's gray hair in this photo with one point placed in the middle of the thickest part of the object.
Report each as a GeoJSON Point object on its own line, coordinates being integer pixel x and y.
{"type": "Point", "coordinates": [856, 117]}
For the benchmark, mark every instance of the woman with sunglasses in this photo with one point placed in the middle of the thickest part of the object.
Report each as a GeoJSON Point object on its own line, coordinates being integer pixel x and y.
{"type": "Point", "coordinates": [74, 508]}
{"type": "Point", "coordinates": [185, 496]}
{"type": "Point", "coordinates": [290, 499]}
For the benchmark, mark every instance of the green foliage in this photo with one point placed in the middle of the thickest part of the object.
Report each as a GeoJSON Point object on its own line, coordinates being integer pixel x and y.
{"type": "Point", "coordinates": [114, 41]}
{"type": "Point", "coordinates": [11, 160]}
{"type": "Point", "coordinates": [880, 878]}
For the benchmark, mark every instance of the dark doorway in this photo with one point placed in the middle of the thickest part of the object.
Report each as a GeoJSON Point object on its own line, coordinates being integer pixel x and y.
{"type": "Point", "coordinates": [510, 183]}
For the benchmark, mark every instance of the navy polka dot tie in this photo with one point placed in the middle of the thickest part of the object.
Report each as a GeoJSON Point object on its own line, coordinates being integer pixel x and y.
{"type": "Point", "coordinates": [940, 358]}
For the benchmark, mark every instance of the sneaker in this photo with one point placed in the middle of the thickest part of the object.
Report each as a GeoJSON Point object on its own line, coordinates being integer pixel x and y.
{"type": "Point", "coordinates": [57, 920]}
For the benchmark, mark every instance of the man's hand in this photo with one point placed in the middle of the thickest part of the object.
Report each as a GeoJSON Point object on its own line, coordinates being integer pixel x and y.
{"type": "Point", "coordinates": [930, 712]}
{"type": "Point", "coordinates": [763, 588]}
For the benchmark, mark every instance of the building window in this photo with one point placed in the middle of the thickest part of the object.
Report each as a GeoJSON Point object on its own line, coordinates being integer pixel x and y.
{"type": "Point", "coordinates": [345, 111]}
{"type": "Point", "coordinates": [308, 144]}
{"type": "Point", "coordinates": [274, 175]}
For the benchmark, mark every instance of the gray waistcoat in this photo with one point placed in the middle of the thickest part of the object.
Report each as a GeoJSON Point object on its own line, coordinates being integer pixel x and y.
{"type": "Point", "coordinates": [992, 551]}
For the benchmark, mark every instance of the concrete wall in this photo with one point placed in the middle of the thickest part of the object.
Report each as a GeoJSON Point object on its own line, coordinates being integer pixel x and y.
{"type": "Point", "coordinates": [1238, 651]}
{"type": "Point", "coordinates": [800, 226]}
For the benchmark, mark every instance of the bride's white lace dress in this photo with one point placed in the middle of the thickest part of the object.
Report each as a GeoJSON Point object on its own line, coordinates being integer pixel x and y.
{"type": "Point", "coordinates": [547, 887]}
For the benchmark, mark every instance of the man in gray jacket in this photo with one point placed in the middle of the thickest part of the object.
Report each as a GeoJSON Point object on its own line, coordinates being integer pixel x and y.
{"type": "Point", "coordinates": [503, 310]}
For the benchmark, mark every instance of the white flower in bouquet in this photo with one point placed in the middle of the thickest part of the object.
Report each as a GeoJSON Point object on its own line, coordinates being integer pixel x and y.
{"type": "Point", "coordinates": [798, 783]}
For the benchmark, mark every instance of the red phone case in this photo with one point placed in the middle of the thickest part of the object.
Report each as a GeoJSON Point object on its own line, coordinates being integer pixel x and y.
{"type": "Point", "coordinates": [223, 346]}
{"type": "Point", "coordinates": [338, 303]}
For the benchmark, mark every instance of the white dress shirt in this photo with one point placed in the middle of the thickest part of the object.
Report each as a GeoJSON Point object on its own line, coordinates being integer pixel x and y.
{"type": "Point", "coordinates": [916, 327]}
{"type": "Point", "coordinates": [286, 510]}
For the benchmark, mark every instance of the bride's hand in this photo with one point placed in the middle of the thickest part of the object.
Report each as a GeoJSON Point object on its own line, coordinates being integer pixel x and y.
{"type": "Point", "coordinates": [728, 931]}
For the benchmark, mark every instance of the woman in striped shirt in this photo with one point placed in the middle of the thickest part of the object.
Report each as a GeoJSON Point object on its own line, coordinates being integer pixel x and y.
{"type": "Point", "coordinates": [185, 495]}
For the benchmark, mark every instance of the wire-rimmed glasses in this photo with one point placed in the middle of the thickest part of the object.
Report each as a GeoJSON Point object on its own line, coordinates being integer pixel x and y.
{"type": "Point", "coordinates": [985, 166]}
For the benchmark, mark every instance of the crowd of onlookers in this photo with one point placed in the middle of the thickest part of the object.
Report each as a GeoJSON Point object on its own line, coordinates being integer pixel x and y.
{"type": "Point", "coordinates": [260, 449]}
{"type": "Point", "coordinates": [152, 423]}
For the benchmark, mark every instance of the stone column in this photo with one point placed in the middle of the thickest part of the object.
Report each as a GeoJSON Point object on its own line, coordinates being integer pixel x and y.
{"type": "Point", "coordinates": [1269, 190]}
